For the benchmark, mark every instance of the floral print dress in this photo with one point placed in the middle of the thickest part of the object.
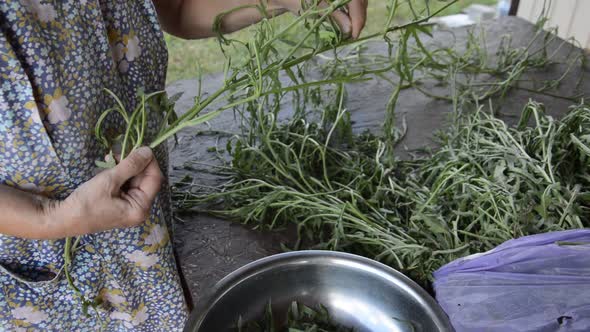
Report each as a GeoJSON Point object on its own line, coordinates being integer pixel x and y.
{"type": "Point", "coordinates": [56, 56]}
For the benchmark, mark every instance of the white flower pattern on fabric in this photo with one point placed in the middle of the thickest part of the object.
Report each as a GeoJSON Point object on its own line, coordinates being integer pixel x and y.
{"type": "Point", "coordinates": [142, 259]}
{"type": "Point", "coordinates": [133, 50]}
{"type": "Point", "coordinates": [140, 317]}
{"type": "Point", "coordinates": [125, 49]}
{"type": "Point", "coordinates": [125, 317]}
{"type": "Point", "coordinates": [45, 12]}
{"type": "Point", "coordinates": [59, 110]}
{"type": "Point", "coordinates": [156, 236]}
{"type": "Point", "coordinates": [35, 115]}
{"type": "Point", "coordinates": [114, 283]}
{"type": "Point", "coordinates": [29, 314]}
{"type": "Point", "coordinates": [113, 298]}
{"type": "Point", "coordinates": [130, 321]}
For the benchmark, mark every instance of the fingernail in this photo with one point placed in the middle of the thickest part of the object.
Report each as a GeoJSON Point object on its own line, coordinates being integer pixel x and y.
{"type": "Point", "coordinates": [144, 151]}
{"type": "Point", "coordinates": [346, 28]}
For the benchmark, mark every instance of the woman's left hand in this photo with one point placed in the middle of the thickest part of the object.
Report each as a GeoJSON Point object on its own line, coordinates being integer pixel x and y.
{"type": "Point", "coordinates": [351, 23]}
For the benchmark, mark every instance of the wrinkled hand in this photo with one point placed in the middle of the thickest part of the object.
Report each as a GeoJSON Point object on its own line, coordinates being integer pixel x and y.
{"type": "Point", "coordinates": [116, 198]}
{"type": "Point", "coordinates": [351, 24]}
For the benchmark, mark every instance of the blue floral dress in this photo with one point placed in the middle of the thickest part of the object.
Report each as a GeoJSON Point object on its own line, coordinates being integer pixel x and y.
{"type": "Point", "coordinates": [56, 56]}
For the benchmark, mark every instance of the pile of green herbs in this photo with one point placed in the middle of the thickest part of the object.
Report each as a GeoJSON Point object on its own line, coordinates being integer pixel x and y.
{"type": "Point", "coordinates": [487, 183]}
{"type": "Point", "coordinates": [244, 83]}
{"type": "Point", "coordinates": [299, 318]}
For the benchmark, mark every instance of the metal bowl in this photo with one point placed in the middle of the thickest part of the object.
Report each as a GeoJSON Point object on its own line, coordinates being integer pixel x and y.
{"type": "Point", "coordinates": [358, 292]}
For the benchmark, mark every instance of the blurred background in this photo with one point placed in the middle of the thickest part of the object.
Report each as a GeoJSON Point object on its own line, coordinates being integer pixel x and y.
{"type": "Point", "coordinates": [185, 56]}
{"type": "Point", "coordinates": [189, 57]}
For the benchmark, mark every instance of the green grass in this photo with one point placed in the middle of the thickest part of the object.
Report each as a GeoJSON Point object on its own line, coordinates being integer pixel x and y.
{"type": "Point", "coordinates": [185, 56]}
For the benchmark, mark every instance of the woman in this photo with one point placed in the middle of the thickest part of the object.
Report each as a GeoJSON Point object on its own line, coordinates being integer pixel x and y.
{"type": "Point", "coordinates": [56, 56]}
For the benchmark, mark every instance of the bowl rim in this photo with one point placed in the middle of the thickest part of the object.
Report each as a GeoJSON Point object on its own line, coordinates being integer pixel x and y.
{"type": "Point", "coordinates": [215, 293]}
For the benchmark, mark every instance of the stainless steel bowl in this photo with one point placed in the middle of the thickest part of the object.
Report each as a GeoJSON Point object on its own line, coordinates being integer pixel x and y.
{"type": "Point", "coordinates": [358, 292]}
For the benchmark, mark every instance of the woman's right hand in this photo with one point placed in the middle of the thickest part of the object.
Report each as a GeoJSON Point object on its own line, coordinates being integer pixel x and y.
{"type": "Point", "coordinates": [351, 23]}
{"type": "Point", "coordinates": [116, 198]}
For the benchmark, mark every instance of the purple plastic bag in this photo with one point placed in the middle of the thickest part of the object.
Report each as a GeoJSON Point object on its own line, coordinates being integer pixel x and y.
{"type": "Point", "coordinates": [534, 283]}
